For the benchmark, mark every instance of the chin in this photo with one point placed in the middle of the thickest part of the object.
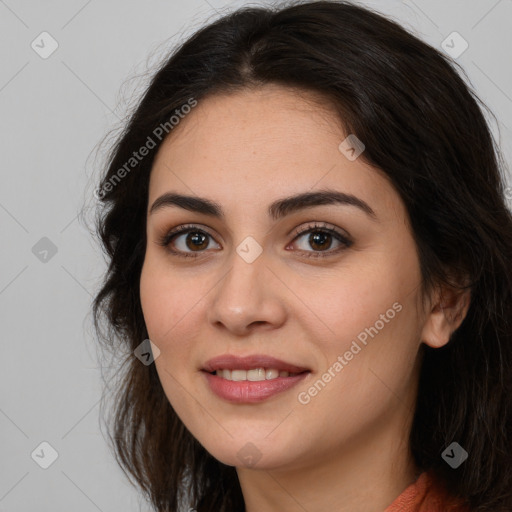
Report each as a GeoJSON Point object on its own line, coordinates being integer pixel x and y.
{"type": "Point", "coordinates": [242, 452]}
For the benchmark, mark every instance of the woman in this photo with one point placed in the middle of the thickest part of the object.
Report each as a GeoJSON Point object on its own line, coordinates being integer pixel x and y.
{"type": "Point", "coordinates": [306, 216]}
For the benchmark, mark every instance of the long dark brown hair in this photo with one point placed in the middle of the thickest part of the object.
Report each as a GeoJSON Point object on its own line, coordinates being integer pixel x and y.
{"type": "Point", "coordinates": [424, 126]}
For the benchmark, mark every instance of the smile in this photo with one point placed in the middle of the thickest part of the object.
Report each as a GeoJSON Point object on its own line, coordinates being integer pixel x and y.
{"type": "Point", "coordinates": [245, 391]}
{"type": "Point", "coordinates": [254, 375]}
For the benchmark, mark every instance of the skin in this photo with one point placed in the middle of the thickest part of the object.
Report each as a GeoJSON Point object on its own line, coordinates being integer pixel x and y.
{"type": "Point", "coordinates": [346, 448]}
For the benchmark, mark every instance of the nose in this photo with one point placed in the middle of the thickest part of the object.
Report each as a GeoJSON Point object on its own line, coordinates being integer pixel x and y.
{"type": "Point", "coordinates": [248, 297]}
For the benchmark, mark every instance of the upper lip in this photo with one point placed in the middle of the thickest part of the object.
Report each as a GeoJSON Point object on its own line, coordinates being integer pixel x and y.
{"type": "Point", "coordinates": [230, 361]}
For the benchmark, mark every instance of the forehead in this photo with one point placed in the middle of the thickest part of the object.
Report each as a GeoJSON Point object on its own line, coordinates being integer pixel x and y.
{"type": "Point", "coordinates": [256, 145]}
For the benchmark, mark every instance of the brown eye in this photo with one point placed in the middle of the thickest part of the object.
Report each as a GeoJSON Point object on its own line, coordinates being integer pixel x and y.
{"type": "Point", "coordinates": [196, 240]}
{"type": "Point", "coordinates": [190, 241]}
{"type": "Point", "coordinates": [186, 240]}
{"type": "Point", "coordinates": [321, 239]}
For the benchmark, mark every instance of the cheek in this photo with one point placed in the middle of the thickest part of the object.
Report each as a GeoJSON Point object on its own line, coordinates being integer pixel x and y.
{"type": "Point", "coordinates": [353, 299]}
{"type": "Point", "coordinates": [367, 314]}
{"type": "Point", "coordinates": [170, 306]}
{"type": "Point", "coordinates": [368, 363]}
{"type": "Point", "coordinates": [169, 302]}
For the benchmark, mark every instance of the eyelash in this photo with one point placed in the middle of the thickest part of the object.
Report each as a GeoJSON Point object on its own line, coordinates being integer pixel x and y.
{"type": "Point", "coordinates": [166, 239]}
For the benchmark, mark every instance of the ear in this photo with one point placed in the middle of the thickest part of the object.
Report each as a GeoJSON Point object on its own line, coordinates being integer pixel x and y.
{"type": "Point", "coordinates": [447, 311]}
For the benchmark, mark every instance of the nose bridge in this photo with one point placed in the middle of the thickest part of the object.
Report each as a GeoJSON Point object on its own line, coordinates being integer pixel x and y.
{"type": "Point", "coordinates": [247, 293]}
{"type": "Point", "coordinates": [245, 277]}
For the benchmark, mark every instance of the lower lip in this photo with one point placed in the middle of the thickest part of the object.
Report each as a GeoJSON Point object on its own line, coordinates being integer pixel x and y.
{"type": "Point", "coordinates": [246, 391]}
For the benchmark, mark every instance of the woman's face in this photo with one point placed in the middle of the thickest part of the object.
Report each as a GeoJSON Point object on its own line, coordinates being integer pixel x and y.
{"type": "Point", "coordinates": [245, 283]}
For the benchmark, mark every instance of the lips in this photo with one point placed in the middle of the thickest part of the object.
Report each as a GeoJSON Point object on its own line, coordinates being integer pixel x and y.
{"type": "Point", "coordinates": [230, 361]}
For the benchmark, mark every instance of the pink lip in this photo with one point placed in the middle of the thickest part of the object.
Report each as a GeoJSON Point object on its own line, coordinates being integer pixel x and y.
{"type": "Point", "coordinates": [232, 362]}
{"type": "Point", "coordinates": [250, 391]}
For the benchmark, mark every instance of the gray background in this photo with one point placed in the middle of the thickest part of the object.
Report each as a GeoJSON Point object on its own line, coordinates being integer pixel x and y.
{"type": "Point", "coordinates": [54, 111]}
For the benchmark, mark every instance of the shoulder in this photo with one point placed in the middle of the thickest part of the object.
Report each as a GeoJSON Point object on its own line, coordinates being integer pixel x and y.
{"type": "Point", "coordinates": [427, 494]}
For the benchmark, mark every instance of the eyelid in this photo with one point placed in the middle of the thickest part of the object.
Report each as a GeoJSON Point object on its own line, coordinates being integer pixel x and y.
{"type": "Point", "coordinates": [182, 229]}
{"type": "Point", "coordinates": [340, 235]}
{"type": "Point", "coordinates": [321, 226]}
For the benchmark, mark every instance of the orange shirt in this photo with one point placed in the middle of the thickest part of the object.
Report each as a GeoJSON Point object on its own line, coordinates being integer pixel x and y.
{"type": "Point", "coordinates": [425, 495]}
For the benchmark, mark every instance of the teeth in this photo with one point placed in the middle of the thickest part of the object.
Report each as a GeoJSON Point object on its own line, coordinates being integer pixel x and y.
{"type": "Point", "coordinates": [237, 375]}
{"type": "Point", "coordinates": [256, 374]}
{"type": "Point", "coordinates": [271, 374]}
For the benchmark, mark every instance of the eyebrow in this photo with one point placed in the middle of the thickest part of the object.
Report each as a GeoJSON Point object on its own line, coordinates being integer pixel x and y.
{"type": "Point", "coordinates": [278, 209]}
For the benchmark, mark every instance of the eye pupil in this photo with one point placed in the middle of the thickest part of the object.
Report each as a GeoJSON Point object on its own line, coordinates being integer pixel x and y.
{"type": "Point", "coordinates": [197, 239]}
{"type": "Point", "coordinates": [319, 238]}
